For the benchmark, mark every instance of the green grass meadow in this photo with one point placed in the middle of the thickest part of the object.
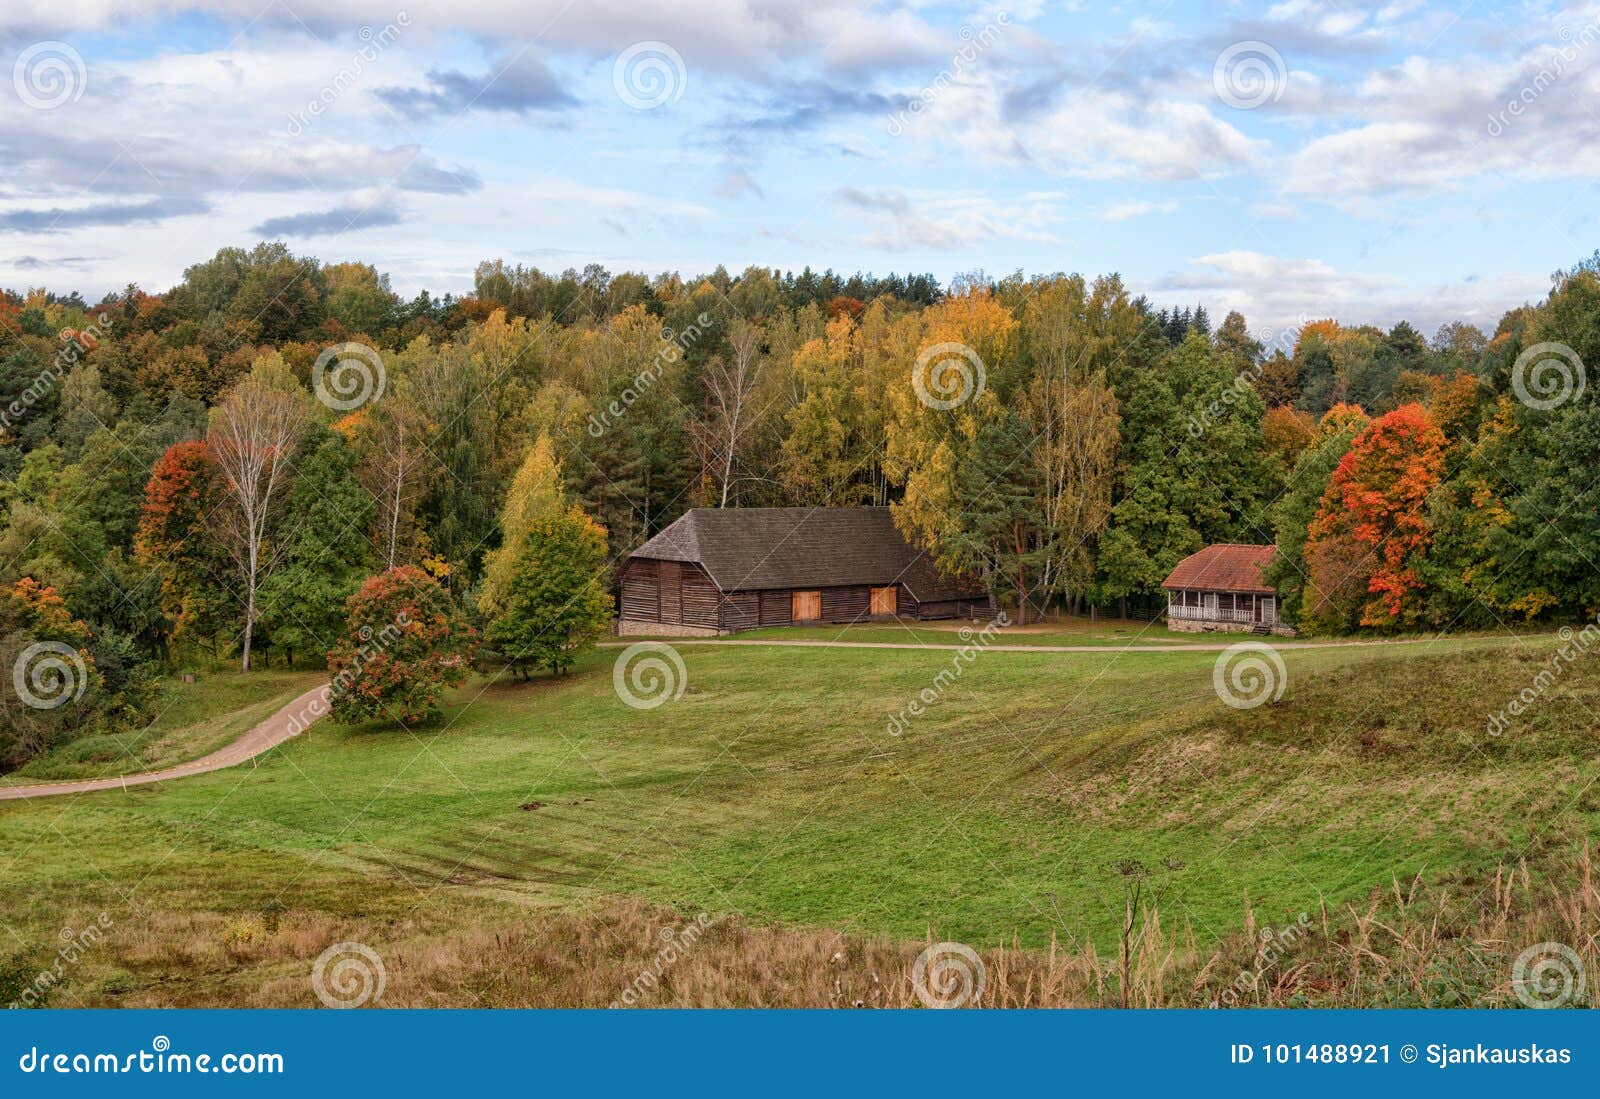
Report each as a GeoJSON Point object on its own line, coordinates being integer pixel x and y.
{"type": "Point", "coordinates": [774, 788]}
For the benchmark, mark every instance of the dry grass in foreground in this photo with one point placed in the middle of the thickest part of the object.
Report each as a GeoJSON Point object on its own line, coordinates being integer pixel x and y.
{"type": "Point", "coordinates": [1409, 946]}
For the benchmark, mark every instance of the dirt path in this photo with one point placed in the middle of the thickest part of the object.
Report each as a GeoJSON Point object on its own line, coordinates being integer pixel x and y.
{"type": "Point", "coordinates": [1177, 647]}
{"type": "Point", "coordinates": [287, 722]}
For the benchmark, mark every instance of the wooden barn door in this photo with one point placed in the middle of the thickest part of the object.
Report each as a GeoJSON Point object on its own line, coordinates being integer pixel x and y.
{"type": "Point", "coordinates": [885, 600]}
{"type": "Point", "coordinates": [807, 606]}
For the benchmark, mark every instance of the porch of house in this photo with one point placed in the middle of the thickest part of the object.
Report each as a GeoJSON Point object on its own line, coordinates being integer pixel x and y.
{"type": "Point", "coordinates": [1192, 611]}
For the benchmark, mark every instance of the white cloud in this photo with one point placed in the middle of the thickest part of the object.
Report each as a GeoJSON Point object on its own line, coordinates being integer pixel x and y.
{"type": "Point", "coordinates": [1278, 211]}
{"type": "Point", "coordinates": [1332, 19]}
{"type": "Point", "coordinates": [1123, 211]}
{"type": "Point", "coordinates": [1398, 9]}
{"type": "Point", "coordinates": [1092, 133]}
{"type": "Point", "coordinates": [720, 35]}
{"type": "Point", "coordinates": [1428, 125]}
{"type": "Point", "coordinates": [894, 220]}
{"type": "Point", "coordinates": [1280, 293]}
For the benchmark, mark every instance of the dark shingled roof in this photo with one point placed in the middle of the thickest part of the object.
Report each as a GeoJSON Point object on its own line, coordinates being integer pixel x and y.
{"type": "Point", "coordinates": [1224, 567]}
{"type": "Point", "coordinates": [750, 549]}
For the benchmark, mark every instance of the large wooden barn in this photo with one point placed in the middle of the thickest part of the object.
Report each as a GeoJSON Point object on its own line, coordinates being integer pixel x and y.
{"type": "Point", "coordinates": [717, 570]}
{"type": "Point", "coordinates": [1221, 588]}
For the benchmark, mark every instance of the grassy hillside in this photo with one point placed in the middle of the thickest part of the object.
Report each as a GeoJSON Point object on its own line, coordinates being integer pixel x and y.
{"type": "Point", "coordinates": [191, 720]}
{"type": "Point", "coordinates": [1017, 809]}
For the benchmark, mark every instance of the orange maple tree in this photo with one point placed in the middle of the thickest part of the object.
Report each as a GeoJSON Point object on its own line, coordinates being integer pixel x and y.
{"type": "Point", "coordinates": [1372, 524]}
{"type": "Point", "coordinates": [175, 540]}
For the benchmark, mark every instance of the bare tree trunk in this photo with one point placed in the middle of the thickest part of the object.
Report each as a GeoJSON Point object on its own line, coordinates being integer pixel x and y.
{"type": "Point", "coordinates": [394, 514]}
{"type": "Point", "coordinates": [249, 609]}
{"type": "Point", "coordinates": [730, 387]}
{"type": "Point", "coordinates": [255, 429]}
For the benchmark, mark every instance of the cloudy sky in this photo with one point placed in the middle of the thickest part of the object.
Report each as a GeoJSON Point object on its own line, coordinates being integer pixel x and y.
{"type": "Point", "coordinates": [1371, 161]}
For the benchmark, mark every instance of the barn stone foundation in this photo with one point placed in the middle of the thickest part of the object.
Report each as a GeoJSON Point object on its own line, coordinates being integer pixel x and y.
{"type": "Point", "coordinates": [630, 628]}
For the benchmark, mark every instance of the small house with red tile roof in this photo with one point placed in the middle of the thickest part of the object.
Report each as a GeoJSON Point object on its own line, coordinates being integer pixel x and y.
{"type": "Point", "coordinates": [1222, 588]}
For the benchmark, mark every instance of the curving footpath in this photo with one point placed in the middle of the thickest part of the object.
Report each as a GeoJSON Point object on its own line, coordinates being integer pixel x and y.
{"type": "Point", "coordinates": [286, 723]}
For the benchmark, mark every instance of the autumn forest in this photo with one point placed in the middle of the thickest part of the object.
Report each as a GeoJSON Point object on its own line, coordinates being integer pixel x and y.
{"type": "Point", "coordinates": [185, 475]}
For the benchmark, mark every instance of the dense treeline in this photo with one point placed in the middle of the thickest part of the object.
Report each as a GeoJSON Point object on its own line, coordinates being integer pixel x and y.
{"type": "Point", "coordinates": [172, 487]}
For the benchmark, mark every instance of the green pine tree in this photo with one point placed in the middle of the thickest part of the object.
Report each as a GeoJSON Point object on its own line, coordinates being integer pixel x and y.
{"type": "Point", "coordinates": [325, 546]}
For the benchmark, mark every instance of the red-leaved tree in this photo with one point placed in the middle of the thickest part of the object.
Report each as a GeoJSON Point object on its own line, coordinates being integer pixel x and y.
{"type": "Point", "coordinates": [177, 539]}
{"type": "Point", "coordinates": [1371, 530]}
{"type": "Point", "coordinates": [405, 643]}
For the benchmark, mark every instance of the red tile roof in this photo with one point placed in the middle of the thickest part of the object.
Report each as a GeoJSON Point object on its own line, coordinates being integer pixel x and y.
{"type": "Point", "coordinates": [1224, 567]}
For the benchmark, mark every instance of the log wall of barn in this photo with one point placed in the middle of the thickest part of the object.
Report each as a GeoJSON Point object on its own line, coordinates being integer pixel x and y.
{"type": "Point", "coordinates": [777, 607]}
{"type": "Point", "coordinates": [671, 574]}
{"type": "Point", "coordinates": [741, 610]}
{"type": "Point", "coordinates": [845, 604]}
{"type": "Point", "coordinates": [671, 593]}
{"type": "Point", "coordinates": [700, 599]}
{"type": "Point", "coordinates": [641, 597]}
